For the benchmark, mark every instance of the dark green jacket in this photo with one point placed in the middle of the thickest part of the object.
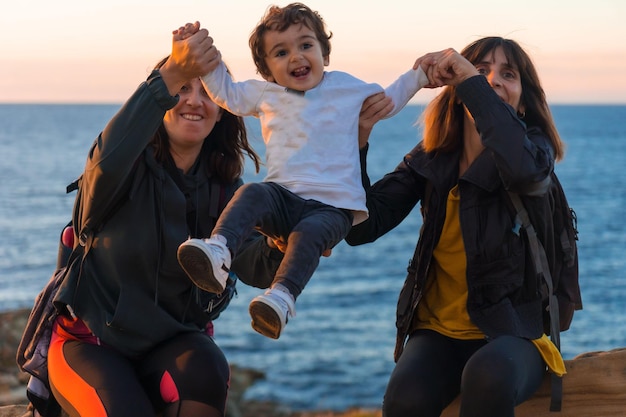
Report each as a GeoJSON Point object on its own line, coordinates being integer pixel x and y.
{"type": "Point", "coordinates": [130, 289]}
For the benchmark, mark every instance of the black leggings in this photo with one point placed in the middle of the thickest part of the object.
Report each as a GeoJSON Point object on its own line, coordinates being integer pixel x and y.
{"type": "Point", "coordinates": [184, 376]}
{"type": "Point", "coordinates": [307, 226]}
{"type": "Point", "coordinates": [492, 377]}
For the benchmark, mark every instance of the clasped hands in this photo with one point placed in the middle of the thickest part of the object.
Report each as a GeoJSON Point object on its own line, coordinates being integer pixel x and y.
{"type": "Point", "coordinates": [193, 50]}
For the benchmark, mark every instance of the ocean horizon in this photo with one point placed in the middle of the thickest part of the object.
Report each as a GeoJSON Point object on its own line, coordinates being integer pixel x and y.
{"type": "Point", "coordinates": [337, 352]}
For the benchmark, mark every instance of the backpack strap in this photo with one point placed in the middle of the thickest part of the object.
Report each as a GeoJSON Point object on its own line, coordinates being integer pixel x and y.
{"type": "Point", "coordinates": [540, 261]}
{"type": "Point", "coordinates": [214, 304]}
{"type": "Point", "coordinates": [216, 199]}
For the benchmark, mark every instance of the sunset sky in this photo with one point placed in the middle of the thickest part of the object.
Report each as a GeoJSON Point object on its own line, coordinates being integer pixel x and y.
{"type": "Point", "coordinates": [77, 51]}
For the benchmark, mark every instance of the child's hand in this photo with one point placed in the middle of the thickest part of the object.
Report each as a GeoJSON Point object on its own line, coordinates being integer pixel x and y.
{"type": "Point", "coordinates": [196, 46]}
{"type": "Point", "coordinates": [193, 55]}
{"type": "Point", "coordinates": [427, 63]}
{"type": "Point", "coordinates": [193, 52]}
{"type": "Point", "coordinates": [452, 68]}
{"type": "Point", "coordinates": [185, 32]}
{"type": "Point", "coordinates": [446, 67]}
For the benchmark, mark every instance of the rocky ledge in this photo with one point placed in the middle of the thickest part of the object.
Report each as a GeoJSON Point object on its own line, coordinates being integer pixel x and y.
{"type": "Point", "coordinates": [595, 386]}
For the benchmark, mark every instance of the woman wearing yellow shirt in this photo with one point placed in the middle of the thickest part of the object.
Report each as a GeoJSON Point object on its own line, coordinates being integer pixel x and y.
{"type": "Point", "coordinates": [470, 315]}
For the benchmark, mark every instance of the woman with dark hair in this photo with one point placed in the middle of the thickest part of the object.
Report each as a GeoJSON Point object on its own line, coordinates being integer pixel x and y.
{"type": "Point", "coordinates": [470, 318]}
{"type": "Point", "coordinates": [134, 336]}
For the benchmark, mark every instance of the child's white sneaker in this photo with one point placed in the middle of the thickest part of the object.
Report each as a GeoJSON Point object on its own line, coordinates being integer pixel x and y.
{"type": "Point", "coordinates": [206, 262]}
{"type": "Point", "coordinates": [270, 312]}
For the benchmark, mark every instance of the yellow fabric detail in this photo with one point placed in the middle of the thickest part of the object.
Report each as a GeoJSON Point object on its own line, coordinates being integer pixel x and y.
{"type": "Point", "coordinates": [551, 355]}
{"type": "Point", "coordinates": [444, 306]}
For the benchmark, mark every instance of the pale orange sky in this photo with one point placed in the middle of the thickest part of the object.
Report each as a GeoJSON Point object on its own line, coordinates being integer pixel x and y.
{"type": "Point", "coordinates": [98, 52]}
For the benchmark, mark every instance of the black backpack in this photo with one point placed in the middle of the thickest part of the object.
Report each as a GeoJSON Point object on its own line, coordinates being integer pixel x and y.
{"type": "Point", "coordinates": [561, 285]}
{"type": "Point", "coordinates": [561, 290]}
{"type": "Point", "coordinates": [32, 352]}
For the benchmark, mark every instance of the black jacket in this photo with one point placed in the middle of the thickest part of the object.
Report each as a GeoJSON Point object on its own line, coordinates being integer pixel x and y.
{"type": "Point", "coordinates": [130, 289]}
{"type": "Point", "coordinates": [503, 291]}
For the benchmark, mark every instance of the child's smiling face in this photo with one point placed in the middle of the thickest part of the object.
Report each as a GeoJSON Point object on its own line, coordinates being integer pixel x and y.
{"type": "Point", "coordinates": [294, 58]}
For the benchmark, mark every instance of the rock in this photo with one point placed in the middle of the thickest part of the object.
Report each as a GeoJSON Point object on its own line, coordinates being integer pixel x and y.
{"type": "Point", "coordinates": [12, 381]}
{"type": "Point", "coordinates": [240, 380]}
{"type": "Point", "coordinates": [13, 411]}
{"type": "Point", "coordinates": [595, 385]}
{"type": "Point", "coordinates": [353, 412]}
{"type": "Point", "coordinates": [12, 325]}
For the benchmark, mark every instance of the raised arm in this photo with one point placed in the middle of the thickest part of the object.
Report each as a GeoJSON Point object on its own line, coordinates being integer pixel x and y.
{"type": "Point", "coordinates": [193, 55]}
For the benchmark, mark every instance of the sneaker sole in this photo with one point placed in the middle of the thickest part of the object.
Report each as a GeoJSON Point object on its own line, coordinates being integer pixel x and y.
{"type": "Point", "coordinates": [265, 320]}
{"type": "Point", "coordinates": [199, 269]}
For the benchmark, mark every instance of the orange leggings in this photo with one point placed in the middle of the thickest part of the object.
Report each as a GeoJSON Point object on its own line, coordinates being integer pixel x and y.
{"type": "Point", "coordinates": [88, 379]}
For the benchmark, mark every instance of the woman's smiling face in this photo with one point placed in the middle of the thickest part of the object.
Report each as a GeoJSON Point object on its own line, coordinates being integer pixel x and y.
{"type": "Point", "coordinates": [194, 116]}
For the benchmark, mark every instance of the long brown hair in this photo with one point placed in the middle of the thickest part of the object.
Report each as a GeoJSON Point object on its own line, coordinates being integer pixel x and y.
{"type": "Point", "coordinates": [443, 117]}
{"type": "Point", "coordinates": [224, 148]}
{"type": "Point", "coordinates": [279, 19]}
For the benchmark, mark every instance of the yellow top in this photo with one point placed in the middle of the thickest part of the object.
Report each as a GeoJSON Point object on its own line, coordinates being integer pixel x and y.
{"type": "Point", "coordinates": [444, 306]}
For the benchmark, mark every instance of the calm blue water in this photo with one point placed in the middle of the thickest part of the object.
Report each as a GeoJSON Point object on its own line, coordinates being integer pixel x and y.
{"type": "Point", "coordinates": [337, 352]}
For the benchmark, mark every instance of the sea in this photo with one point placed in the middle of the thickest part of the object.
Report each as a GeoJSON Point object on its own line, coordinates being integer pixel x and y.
{"type": "Point", "coordinates": [337, 353]}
